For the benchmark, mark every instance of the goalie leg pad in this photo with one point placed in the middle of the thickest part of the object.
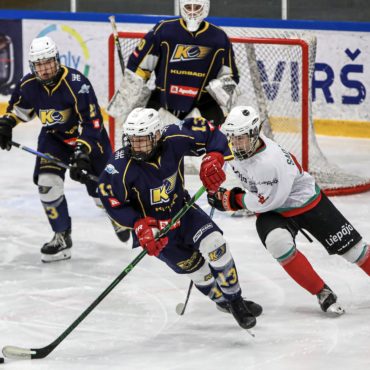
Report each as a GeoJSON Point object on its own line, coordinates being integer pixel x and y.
{"type": "Point", "coordinates": [195, 112]}
{"type": "Point", "coordinates": [132, 93]}
{"type": "Point", "coordinates": [167, 117]}
{"type": "Point", "coordinates": [280, 243]}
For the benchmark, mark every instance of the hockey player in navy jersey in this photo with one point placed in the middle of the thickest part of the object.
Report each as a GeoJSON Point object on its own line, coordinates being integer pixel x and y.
{"type": "Point", "coordinates": [72, 131]}
{"type": "Point", "coordinates": [194, 67]}
{"type": "Point", "coordinates": [142, 187]}
{"type": "Point", "coordinates": [286, 200]}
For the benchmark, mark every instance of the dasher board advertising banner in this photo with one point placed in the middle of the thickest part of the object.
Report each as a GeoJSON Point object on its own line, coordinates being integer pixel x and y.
{"type": "Point", "coordinates": [340, 82]}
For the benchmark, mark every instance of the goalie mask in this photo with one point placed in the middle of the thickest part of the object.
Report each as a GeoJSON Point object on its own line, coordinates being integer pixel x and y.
{"type": "Point", "coordinates": [142, 132]}
{"type": "Point", "coordinates": [242, 127]}
{"type": "Point", "coordinates": [193, 12]}
{"type": "Point", "coordinates": [44, 60]}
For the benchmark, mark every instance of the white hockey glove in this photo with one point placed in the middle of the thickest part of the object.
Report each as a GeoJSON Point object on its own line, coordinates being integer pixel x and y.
{"type": "Point", "coordinates": [225, 91]}
{"type": "Point", "coordinates": [133, 92]}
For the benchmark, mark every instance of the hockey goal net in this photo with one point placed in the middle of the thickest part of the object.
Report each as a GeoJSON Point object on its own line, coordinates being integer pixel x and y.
{"type": "Point", "coordinates": [276, 70]}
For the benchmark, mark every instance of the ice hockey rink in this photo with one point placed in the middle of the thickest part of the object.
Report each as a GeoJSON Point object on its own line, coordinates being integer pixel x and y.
{"type": "Point", "coordinates": [136, 326]}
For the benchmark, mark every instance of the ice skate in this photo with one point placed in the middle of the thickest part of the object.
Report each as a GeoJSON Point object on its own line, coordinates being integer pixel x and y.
{"type": "Point", "coordinates": [254, 308]}
{"type": "Point", "coordinates": [122, 233]}
{"type": "Point", "coordinates": [241, 313]}
{"type": "Point", "coordinates": [58, 249]}
{"type": "Point", "coordinates": [328, 302]}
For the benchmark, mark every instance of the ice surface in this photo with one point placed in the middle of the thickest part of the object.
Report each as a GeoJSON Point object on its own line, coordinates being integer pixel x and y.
{"type": "Point", "coordinates": [136, 326]}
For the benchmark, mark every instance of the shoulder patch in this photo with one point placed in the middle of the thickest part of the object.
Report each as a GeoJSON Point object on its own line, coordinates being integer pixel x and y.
{"type": "Point", "coordinates": [85, 89]}
{"type": "Point", "coordinates": [111, 169]}
{"type": "Point", "coordinates": [114, 202]}
{"type": "Point", "coordinates": [119, 154]}
{"type": "Point", "coordinates": [75, 77]}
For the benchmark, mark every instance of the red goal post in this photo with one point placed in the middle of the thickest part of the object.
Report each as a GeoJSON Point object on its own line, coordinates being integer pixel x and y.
{"type": "Point", "coordinates": [284, 101]}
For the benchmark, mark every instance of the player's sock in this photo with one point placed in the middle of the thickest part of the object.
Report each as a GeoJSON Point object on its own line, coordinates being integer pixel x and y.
{"type": "Point", "coordinates": [364, 264]}
{"type": "Point", "coordinates": [301, 271]}
{"type": "Point", "coordinates": [58, 215]}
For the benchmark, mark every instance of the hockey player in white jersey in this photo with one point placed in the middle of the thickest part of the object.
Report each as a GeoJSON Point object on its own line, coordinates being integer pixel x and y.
{"type": "Point", "coordinates": [286, 200]}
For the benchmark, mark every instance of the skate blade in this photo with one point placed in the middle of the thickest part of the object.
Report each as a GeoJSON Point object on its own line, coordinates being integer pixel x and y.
{"type": "Point", "coordinates": [335, 310]}
{"type": "Point", "coordinates": [60, 256]}
{"type": "Point", "coordinates": [242, 213]}
{"type": "Point", "coordinates": [250, 332]}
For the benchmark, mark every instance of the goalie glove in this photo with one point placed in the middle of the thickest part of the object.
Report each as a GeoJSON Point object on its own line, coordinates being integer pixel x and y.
{"type": "Point", "coordinates": [81, 164]}
{"type": "Point", "coordinates": [224, 90]}
{"type": "Point", "coordinates": [227, 200]}
{"type": "Point", "coordinates": [6, 128]}
{"type": "Point", "coordinates": [133, 92]}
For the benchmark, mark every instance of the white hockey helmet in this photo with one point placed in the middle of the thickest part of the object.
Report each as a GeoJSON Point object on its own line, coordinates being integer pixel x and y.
{"type": "Point", "coordinates": [41, 49]}
{"type": "Point", "coordinates": [242, 122]}
{"type": "Point", "coordinates": [193, 12]}
{"type": "Point", "coordinates": [142, 132]}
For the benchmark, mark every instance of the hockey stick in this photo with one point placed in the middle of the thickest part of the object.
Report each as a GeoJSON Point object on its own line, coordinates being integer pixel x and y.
{"type": "Point", "coordinates": [181, 307]}
{"type": "Point", "coordinates": [33, 353]}
{"type": "Point", "coordinates": [112, 20]}
{"type": "Point", "coordinates": [49, 158]}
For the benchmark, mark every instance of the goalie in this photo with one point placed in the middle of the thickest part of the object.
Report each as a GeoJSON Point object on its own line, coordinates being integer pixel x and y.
{"type": "Point", "coordinates": [193, 64]}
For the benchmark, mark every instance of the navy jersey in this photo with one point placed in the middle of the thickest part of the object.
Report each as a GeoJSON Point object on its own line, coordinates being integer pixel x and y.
{"type": "Point", "coordinates": [69, 110]}
{"type": "Point", "coordinates": [131, 189]}
{"type": "Point", "coordinates": [184, 62]}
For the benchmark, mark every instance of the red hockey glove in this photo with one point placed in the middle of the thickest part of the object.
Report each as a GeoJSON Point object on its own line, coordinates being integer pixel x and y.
{"type": "Point", "coordinates": [227, 200]}
{"type": "Point", "coordinates": [146, 230]}
{"type": "Point", "coordinates": [211, 173]}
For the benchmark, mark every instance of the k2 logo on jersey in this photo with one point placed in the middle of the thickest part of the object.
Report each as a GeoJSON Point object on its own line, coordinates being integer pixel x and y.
{"type": "Point", "coordinates": [161, 194]}
{"type": "Point", "coordinates": [184, 53]}
{"type": "Point", "coordinates": [50, 117]}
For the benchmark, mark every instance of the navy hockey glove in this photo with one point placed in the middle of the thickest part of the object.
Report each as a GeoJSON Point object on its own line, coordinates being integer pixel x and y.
{"type": "Point", "coordinates": [226, 200]}
{"type": "Point", "coordinates": [6, 128]}
{"type": "Point", "coordinates": [81, 164]}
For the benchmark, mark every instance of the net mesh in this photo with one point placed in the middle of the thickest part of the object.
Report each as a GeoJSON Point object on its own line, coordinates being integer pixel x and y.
{"type": "Point", "coordinates": [276, 69]}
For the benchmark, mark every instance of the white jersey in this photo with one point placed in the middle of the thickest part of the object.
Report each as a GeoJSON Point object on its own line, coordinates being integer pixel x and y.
{"type": "Point", "coordinates": [274, 180]}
